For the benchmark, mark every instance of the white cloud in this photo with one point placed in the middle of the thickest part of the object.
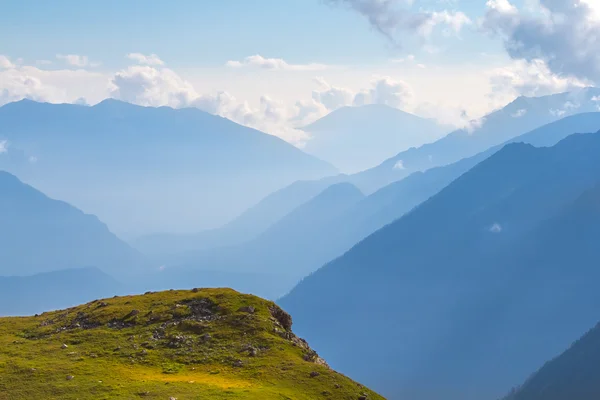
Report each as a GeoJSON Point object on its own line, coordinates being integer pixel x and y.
{"type": "Point", "coordinates": [332, 97]}
{"type": "Point", "coordinates": [150, 86]}
{"type": "Point", "coordinates": [383, 90]}
{"type": "Point", "coordinates": [528, 78]}
{"type": "Point", "coordinates": [5, 62]}
{"type": "Point", "coordinates": [399, 165]}
{"type": "Point", "coordinates": [273, 64]}
{"type": "Point", "coordinates": [76, 60]}
{"type": "Point", "coordinates": [453, 22]}
{"type": "Point", "coordinates": [393, 18]}
{"type": "Point", "coordinates": [519, 113]}
{"type": "Point", "coordinates": [563, 34]}
{"type": "Point", "coordinates": [387, 91]}
{"type": "Point", "coordinates": [568, 107]}
{"type": "Point", "coordinates": [496, 228]}
{"type": "Point", "coordinates": [3, 146]}
{"type": "Point", "coordinates": [151, 59]}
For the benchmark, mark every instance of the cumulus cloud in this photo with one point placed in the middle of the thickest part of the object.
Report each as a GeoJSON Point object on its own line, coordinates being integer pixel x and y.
{"type": "Point", "coordinates": [18, 84]}
{"type": "Point", "coordinates": [149, 86]}
{"type": "Point", "coordinates": [529, 78]}
{"type": "Point", "coordinates": [332, 97]}
{"type": "Point", "coordinates": [259, 61]}
{"type": "Point", "coordinates": [76, 60]}
{"type": "Point", "coordinates": [5, 62]}
{"type": "Point", "coordinates": [151, 59]}
{"type": "Point", "coordinates": [383, 90]}
{"type": "Point", "coordinates": [562, 34]}
{"type": "Point", "coordinates": [3, 146]}
{"type": "Point", "coordinates": [386, 91]}
{"type": "Point", "coordinates": [159, 86]}
{"type": "Point", "coordinates": [393, 18]}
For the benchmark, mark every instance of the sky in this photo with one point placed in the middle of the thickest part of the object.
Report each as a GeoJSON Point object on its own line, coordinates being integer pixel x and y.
{"type": "Point", "coordinates": [279, 65]}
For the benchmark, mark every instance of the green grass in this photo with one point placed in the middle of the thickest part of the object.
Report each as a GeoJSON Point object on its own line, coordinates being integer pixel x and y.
{"type": "Point", "coordinates": [181, 344]}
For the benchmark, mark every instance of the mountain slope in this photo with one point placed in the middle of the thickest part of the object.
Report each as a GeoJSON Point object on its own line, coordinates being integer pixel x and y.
{"type": "Point", "coordinates": [424, 276]}
{"type": "Point", "coordinates": [356, 138]}
{"type": "Point", "coordinates": [210, 343]}
{"type": "Point", "coordinates": [39, 234]}
{"type": "Point", "coordinates": [572, 375]}
{"type": "Point", "coordinates": [283, 254]}
{"type": "Point", "coordinates": [243, 228]}
{"type": "Point", "coordinates": [144, 169]}
{"type": "Point", "coordinates": [27, 295]}
{"type": "Point", "coordinates": [521, 116]}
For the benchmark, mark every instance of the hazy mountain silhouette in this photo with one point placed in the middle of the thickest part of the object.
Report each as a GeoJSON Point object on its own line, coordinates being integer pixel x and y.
{"type": "Point", "coordinates": [346, 225]}
{"type": "Point", "coordinates": [243, 228]}
{"type": "Point", "coordinates": [284, 253]}
{"type": "Point", "coordinates": [144, 169]}
{"type": "Point", "coordinates": [39, 234]}
{"type": "Point", "coordinates": [357, 138]}
{"type": "Point", "coordinates": [29, 295]}
{"type": "Point", "coordinates": [522, 115]}
{"type": "Point", "coordinates": [575, 374]}
{"type": "Point", "coordinates": [405, 297]}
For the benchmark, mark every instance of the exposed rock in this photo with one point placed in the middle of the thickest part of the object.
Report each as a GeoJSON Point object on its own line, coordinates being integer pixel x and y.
{"type": "Point", "coordinates": [314, 374]}
{"type": "Point", "coordinates": [64, 346]}
{"type": "Point", "coordinates": [70, 377]}
{"type": "Point", "coordinates": [283, 318]}
{"type": "Point", "coordinates": [247, 309]}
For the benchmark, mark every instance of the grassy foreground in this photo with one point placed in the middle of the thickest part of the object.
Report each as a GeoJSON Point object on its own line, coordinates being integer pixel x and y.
{"type": "Point", "coordinates": [200, 344]}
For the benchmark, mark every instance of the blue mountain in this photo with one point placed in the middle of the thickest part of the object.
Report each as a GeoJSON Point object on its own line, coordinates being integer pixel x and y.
{"type": "Point", "coordinates": [144, 169]}
{"type": "Point", "coordinates": [40, 234]}
{"type": "Point", "coordinates": [520, 116]}
{"type": "Point", "coordinates": [28, 295]}
{"type": "Point", "coordinates": [358, 138]}
{"type": "Point", "coordinates": [434, 305]}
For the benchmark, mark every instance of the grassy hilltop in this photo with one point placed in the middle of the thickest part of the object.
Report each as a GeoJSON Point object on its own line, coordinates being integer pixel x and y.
{"type": "Point", "coordinates": [199, 344]}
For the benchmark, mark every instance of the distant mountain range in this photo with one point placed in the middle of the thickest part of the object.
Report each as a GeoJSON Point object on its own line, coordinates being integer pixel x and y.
{"type": "Point", "coordinates": [274, 261]}
{"type": "Point", "coordinates": [462, 297]}
{"type": "Point", "coordinates": [358, 138]}
{"type": "Point", "coordinates": [39, 234]}
{"type": "Point", "coordinates": [28, 295]}
{"type": "Point", "coordinates": [522, 115]}
{"type": "Point", "coordinates": [318, 231]}
{"type": "Point", "coordinates": [144, 169]}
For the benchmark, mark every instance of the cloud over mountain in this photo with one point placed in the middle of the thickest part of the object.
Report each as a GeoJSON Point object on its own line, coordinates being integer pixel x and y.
{"type": "Point", "coordinates": [564, 34]}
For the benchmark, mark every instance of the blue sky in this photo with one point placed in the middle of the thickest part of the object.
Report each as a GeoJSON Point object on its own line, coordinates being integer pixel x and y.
{"type": "Point", "coordinates": [277, 65]}
{"type": "Point", "coordinates": [208, 33]}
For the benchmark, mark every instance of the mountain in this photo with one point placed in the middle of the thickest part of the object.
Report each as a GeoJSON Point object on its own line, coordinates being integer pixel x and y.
{"type": "Point", "coordinates": [357, 138]}
{"type": "Point", "coordinates": [145, 169]}
{"type": "Point", "coordinates": [275, 260]}
{"type": "Point", "coordinates": [522, 115]}
{"type": "Point", "coordinates": [209, 343]}
{"type": "Point", "coordinates": [572, 375]}
{"type": "Point", "coordinates": [28, 295]}
{"type": "Point", "coordinates": [39, 234]}
{"type": "Point", "coordinates": [345, 225]}
{"type": "Point", "coordinates": [433, 281]}
{"type": "Point", "coordinates": [243, 228]}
